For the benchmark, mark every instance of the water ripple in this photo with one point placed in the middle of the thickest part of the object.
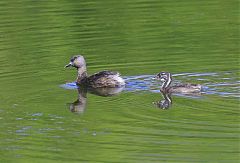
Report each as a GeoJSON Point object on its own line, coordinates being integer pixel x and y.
{"type": "Point", "coordinates": [213, 83]}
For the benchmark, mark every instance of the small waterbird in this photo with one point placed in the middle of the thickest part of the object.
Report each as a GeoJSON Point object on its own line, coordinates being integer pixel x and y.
{"type": "Point", "coordinates": [101, 79]}
{"type": "Point", "coordinates": [166, 79]}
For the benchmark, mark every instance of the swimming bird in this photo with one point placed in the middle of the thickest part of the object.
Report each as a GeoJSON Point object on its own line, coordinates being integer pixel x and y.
{"type": "Point", "coordinates": [101, 79]}
{"type": "Point", "coordinates": [166, 87]}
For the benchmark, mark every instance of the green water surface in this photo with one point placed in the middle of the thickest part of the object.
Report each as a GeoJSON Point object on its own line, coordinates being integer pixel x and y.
{"type": "Point", "coordinates": [198, 41]}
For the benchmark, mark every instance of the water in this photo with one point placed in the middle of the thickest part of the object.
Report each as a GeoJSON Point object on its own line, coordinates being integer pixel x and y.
{"type": "Point", "coordinates": [40, 112]}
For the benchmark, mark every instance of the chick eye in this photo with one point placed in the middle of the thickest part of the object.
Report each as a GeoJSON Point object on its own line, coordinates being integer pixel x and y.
{"type": "Point", "coordinates": [73, 59]}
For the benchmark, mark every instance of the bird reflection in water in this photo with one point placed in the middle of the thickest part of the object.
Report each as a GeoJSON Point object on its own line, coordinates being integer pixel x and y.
{"type": "Point", "coordinates": [164, 103]}
{"type": "Point", "coordinates": [80, 104]}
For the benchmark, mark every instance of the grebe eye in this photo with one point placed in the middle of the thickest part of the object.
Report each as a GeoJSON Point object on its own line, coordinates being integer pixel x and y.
{"type": "Point", "coordinates": [73, 59]}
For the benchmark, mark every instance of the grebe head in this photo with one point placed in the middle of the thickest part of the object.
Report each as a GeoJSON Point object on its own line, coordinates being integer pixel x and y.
{"type": "Point", "coordinates": [164, 76]}
{"type": "Point", "coordinates": [77, 61]}
{"type": "Point", "coordinates": [166, 79]}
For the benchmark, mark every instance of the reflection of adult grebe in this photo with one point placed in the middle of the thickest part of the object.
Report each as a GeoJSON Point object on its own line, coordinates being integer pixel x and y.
{"type": "Point", "coordinates": [98, 80]}
{"type": "Point", "coordinates": [166, 102]}
{"type": "Point", "coordinates": [166, 79]}
{"type": "Point", "coordinates": [80, 104]}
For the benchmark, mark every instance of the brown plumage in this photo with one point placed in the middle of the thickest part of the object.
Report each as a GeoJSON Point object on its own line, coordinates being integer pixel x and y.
{"type": "Point", "coordinates": [101, 79]}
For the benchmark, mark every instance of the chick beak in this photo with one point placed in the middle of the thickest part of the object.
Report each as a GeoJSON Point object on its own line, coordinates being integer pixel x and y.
{"type": "Point", "coordinates": [162, 80]}
{"type": "Point", "coordinates": [69, 65]}
{"type": "Point", "coordinates": [156, 77]}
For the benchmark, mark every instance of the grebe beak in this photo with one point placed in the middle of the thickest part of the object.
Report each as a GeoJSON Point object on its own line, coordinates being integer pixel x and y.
{"type": "Point", "coordinates": [69, 65]}
{"type": "Point", "coordinates": [162, 80]}
{"type": "Point", "coordinates": [156, 77]}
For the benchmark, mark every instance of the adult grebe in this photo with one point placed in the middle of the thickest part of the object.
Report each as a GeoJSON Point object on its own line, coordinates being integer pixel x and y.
{"type": "Point", "coordinates": [101, 79]}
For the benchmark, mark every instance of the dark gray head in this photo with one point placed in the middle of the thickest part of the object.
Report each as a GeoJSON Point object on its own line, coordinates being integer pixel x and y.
{"type": "Point", "coordinates": [166, 78]}
{"type": "Point", "coordinates": [77, 61]}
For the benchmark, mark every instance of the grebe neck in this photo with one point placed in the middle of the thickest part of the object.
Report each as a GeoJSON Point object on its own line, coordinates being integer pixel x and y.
{"type": "Point", "coordinates": [166, 84]}
{"type": "Point", "coordinates": [82, 75]}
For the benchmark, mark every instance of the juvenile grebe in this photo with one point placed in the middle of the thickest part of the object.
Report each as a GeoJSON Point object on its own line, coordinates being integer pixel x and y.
{"type": "Point", "coordinates": [101, 79]}
{"type": "Point", "coordinates": [166, 87]}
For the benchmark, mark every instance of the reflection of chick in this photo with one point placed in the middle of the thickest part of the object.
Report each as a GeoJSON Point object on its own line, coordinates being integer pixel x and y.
{"type": "Point", "coordinates": [165, 103]}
